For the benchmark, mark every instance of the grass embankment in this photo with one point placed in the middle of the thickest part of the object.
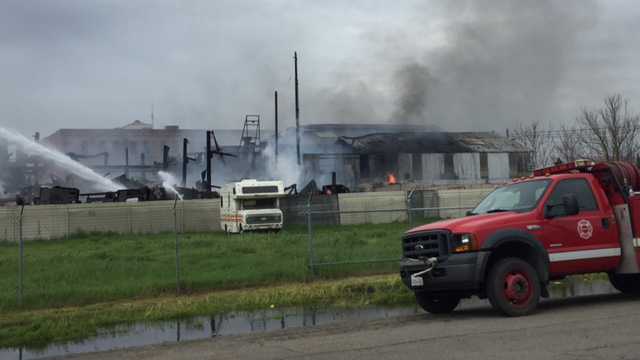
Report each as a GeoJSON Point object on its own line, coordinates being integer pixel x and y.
{"type": "Point", "coordinates": [39, 328]}
{"type": "Point", "coordinates": [74, 287]}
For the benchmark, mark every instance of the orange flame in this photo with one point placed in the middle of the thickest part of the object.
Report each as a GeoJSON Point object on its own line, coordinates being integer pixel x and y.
{"type": "Point", "coordinates": [391, 179]}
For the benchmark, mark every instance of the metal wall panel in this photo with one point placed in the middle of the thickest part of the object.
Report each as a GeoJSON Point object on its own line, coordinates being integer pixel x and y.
{"type": "Point", "coordinates": [58, 221]}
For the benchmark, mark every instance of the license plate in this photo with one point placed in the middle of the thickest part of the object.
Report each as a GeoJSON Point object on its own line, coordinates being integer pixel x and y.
{"type": "Point", "coordinates": [417, 281]}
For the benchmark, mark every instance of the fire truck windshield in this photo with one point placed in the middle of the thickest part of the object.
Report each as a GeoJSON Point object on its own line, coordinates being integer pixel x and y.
{"type": "Point", "coordinates": [518, 197]}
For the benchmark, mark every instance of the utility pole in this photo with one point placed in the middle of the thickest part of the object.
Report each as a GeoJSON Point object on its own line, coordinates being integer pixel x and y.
{"type": "Point", "coordinates": [185, 160]}
{"type": "Point", "coordinates": [275, 100]}
{"type": "Point", "coordinates": [295, 65]}
{"type": "Point", "coordinates": [165, 157]}
{"type": "Point", "coordinates": [209, 155]}
{"type": "Point", "coordinates": [126, 161]}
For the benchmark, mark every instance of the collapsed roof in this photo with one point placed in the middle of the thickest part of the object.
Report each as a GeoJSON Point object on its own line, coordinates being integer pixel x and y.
{"type": "Point", "coordinates": [430, 142]}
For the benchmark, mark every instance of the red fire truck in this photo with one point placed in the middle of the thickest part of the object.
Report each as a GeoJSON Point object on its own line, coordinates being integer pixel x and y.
{"type": "Point", "coordinates": [574, 218]}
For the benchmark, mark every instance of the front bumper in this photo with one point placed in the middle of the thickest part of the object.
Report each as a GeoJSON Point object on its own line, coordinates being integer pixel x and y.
{"type": "Point", "coordinates": [457, 272]}
{"type": "Point", "coordinates": [252, 227]}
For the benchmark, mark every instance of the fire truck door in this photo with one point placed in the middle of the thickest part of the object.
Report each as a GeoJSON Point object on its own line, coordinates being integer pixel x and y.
{"type": "Point", "coordinates": [585, 242]}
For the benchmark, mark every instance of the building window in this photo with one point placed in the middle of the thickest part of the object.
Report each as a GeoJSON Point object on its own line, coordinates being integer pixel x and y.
{"type": "Point", "coordinates": [416, 166]}
{"type": "Point", "coordinates": [484, 166]}
{"type": "Point", "coordinates": [364, 166]}
{"type": "Point", "coordinates": [519, 164]}
{"type": "Point", "coordinates": [449, 168]}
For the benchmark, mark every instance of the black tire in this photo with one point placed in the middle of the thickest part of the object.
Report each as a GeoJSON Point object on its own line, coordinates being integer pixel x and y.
{"type": "Point", "coordinates": [437, 303]}
{"type": "Point", "coordinates": [513, 287]}
{"type": "Point", "coordinates": [626, 283]}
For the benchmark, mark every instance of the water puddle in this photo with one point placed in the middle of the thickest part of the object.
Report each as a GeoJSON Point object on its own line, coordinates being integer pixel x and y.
{"type": "Point", "coordinates": [207, 327]}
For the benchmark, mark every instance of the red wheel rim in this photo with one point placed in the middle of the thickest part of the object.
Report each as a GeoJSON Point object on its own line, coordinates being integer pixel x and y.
{"type": "Point", "coordinates": [517, 288]}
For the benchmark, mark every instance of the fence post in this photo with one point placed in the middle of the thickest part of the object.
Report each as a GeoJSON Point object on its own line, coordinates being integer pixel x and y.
{"type": "Point", "coordinates": [68, 222]}
{"type": "Point", "coordinates": [21, 260]}
{"type": "Point", "coordinates": [130, 215]}
{"type": "Point", "coordinates": [175, 230]}
{"type": "Point", "coordinates": [310, 238]}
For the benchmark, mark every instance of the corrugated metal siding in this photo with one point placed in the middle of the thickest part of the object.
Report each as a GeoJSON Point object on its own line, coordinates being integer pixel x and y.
{"type": "Point", "coordinates": [44, 222]}
{"type": "Point", "coordinates": [294, 209]}
{"type": "Point", "coordinates": [498, 167]}
{"type": "Point", "coordinates": [432, 167]}
{"type": "Point", "coordinates": [57, 221]}
{"type": "Point", "coordinates": [467, 167]}
{"type": "Point", "coordinates": [8, 220]}
{"type": "Point", "coordinates": [373, 201]}
{"type": "Point", "coordinates": [202, 215]}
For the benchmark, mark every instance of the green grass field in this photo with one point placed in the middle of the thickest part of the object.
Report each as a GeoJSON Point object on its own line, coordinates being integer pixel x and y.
{"type": "Point", "coordinates": [94, 268]}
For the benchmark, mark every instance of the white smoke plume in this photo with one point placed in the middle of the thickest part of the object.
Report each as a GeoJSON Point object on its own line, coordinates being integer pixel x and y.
{"type": "Point", "coordinates": [284, 168]}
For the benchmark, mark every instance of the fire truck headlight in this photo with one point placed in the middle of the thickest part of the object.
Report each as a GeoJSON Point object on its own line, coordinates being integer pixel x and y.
{"type": "Point", "coordinates": [461, 243]}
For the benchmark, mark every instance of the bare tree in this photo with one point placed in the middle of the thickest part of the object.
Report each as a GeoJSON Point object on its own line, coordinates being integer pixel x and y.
{"type": "Point", "coordinates": [611, 131]}
{"type": "Point", "coordinates": [535, 138]}
{"type": "Point", "coordinates": [567, 145]}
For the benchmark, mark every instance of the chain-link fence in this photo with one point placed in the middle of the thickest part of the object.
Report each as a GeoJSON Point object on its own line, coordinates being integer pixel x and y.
{"type": "Point", "coordinates": [371, 225]}
{"type": "Point", "coordinates": [83, 254]}
{"type": "Point", "coordinates": [366, 238]}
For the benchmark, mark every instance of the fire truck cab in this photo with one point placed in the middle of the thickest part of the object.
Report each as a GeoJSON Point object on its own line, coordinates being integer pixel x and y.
{"type": "Point", "coordinates": [250, 205]}
{"type": "Point", "coordinates": [568, 219]}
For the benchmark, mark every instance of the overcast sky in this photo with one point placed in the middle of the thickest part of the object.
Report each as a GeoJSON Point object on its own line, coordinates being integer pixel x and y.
{"type": "Point", "coordinates": [476, 65]}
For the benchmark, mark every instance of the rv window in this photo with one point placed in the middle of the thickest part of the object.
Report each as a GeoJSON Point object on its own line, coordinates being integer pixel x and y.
{"type": "Point", "coordinates": [259, 189]}
{"type": "Point", "coordinates": [254, 204]}
{"type": "Point", "coordinates": [221, 201]}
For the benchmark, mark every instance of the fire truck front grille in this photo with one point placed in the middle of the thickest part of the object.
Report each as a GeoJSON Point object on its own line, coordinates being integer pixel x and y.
{"type": "Point", "coordinates": [426, 245]}
{"type": "Point", "coordinates": [263, 219]}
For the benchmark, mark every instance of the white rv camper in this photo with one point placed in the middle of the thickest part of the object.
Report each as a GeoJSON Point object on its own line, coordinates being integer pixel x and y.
{"type": "Point", "coordinates": [250, 205]}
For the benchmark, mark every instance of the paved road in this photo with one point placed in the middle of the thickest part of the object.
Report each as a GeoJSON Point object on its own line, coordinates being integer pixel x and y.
{"type": "Point", "coordinates": [595, 327]}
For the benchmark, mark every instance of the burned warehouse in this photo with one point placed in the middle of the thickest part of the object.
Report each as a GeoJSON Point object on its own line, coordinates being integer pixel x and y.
{"type": "Point", "coordinates": [366, 155]}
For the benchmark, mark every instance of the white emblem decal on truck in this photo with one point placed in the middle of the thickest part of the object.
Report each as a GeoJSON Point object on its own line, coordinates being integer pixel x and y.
{"type": "Point", "coordinates": [585, 229]}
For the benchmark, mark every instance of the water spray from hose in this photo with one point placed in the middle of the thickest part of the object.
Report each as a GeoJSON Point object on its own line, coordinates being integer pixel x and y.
{"type": "Point", "coordinates": [31, 147]}
{"type": "Point", "coordinates": [168, 182]}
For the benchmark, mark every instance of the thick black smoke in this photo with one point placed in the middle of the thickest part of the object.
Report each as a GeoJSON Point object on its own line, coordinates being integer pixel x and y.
{"type": "Point", "coordinates": [413, 84]}
{"type": "Point", "coordinates": [500, 63]}
{"type": "Point", "coordinates": [505, 62]}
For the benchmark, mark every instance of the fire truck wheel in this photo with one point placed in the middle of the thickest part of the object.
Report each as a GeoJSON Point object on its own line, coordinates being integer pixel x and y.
{"type": "Point", "coordinates": [626, 283]}
{"type": "Point", "coordinates": [437, 304]}
{"type": "Point", "coordinates": [513, 287]}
